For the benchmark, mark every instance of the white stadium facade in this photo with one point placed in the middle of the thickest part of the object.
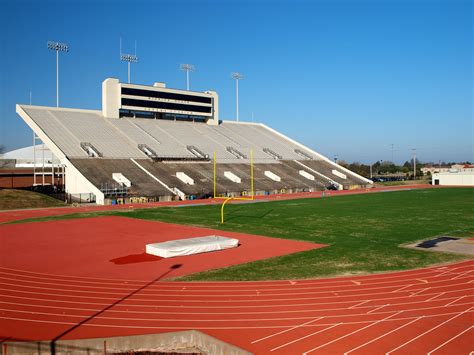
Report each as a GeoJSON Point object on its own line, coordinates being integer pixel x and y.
{"type": "Point", "coordinates": [151, 143]}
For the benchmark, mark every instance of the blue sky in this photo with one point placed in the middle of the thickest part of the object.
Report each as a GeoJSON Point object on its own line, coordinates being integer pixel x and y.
{"type": "Point", "coordinates": [347, 78]}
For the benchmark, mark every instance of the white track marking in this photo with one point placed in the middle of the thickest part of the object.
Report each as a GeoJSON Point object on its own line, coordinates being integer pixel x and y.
{"type": "Point", "coordinates": [402, 288]}
{"type": "Point", "coordinates": [349, 334]}
{"type": "Point", "coordinates": [428, 331]}
{"type": "Point", "coordinates": [221, 327]}
{"type": "Point", "coordinates": [399, 274]}
{"type": "Point", "coordinates": [449, 340]}
{"type": "Point", "coordinates": [286, 330]}
{"type": "Point", "coordinates": [462, 274]}
{"type": "Point", "coordinates": [223, 300]}
{"type": "Point", "coordinates": [381, 336]}
{"type": "Point", "coordinates": [432, 298]}
{"type": "Point", "coordinates": [306, 336]}
{"type": "Point", "coordinates": [212, 307]}
{"type": "Point", "coordinates": [424, 281]}
{"type": "Point", "coordinates": [376, 309]}
{"type": "Point", "coordinates": [420, 291]}
{"type": "Point", "coordinates": [450, 303]}
{"type": "Point", "coordinates": [359, 304]}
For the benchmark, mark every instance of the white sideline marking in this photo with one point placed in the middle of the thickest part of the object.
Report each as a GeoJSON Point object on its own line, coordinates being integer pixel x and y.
{"type": "Point", "coordinates": [355, 331]}
{"type": "Point", "coordinates": [449, 340]}
{"type": "Point", "coordinates": [356, 282]}
{"type": "Point", "coordinates": [306, 336]}
{"type": "Point", "coordinates": [381, 336]}
{"type": "Point", "coordinates": [376, 309]}
{"type": "Point", "coordinates": [287, 330]}
{"type": "Point", "coordinates": [429, 330]}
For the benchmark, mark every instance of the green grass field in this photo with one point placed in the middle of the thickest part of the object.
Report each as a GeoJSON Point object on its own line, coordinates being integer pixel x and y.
{"type": "Point", "coordinates": [18, 199]}
{"type": "Point", "coordinates": [363, 231]}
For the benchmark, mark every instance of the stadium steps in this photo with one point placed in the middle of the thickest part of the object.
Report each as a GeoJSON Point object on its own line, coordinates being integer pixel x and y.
{"type": "Point", "coordinates": [99, 172]}
{"type": "Point", "coordinates": [326, 169]}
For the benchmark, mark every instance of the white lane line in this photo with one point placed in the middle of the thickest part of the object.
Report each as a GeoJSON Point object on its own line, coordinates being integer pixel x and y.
{"type": "Point", "coordinates": [450, 303]}
{"type": "Point", "coordinates": [266, 299]}
{"type": "Point", "coordinates": [349, 334]}
{"type": "Point", "coordinates": [449, 340]}
{"type": "Point", "coordinates": [306, 336]}
{"type": "Point", "coordinates": [428, 331]}
{"type": "Point", "coordinates": [432, 298]}
{"type": "Point", "coordinates": [376, 309]}
{"type": "Point", "coordinates": [286, 330]}
{"type": "Point", "coordinates": [462, 274]}
{"type": "Point", "coordinates": [246, 327]}
{"type": "Point", "coordinates": [420, 291]}
{"type": "Point", "coordinates": [381, 336]}
{"type": "Point", "coordinates": [359, 304]}
{"type": "Point", "coordinates": [402, 288]}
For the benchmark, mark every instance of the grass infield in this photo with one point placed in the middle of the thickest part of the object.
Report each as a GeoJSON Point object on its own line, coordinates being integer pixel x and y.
{"type": "Point", "coordinates": [363, 232]}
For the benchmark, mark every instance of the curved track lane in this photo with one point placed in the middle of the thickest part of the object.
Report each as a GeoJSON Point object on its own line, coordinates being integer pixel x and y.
{"type": "Point", "coordinates": [418, 311]}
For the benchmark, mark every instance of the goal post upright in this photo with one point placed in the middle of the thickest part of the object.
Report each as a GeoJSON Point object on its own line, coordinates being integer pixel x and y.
{"type": "Point", "coordinates": [227, 199]}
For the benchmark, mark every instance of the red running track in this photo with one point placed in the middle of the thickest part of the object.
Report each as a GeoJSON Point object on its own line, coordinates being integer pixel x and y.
{"type": "Point", "coordinates": [421, 311]}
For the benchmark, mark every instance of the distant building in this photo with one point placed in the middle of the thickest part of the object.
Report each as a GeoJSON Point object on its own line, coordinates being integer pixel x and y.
{"type": "Point", "coordinates": [454, 177]}
{"type": "Point", "coordinates": [444, 169]}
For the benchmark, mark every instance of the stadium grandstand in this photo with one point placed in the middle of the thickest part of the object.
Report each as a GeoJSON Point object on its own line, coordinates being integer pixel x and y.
{"type": "Point", "coordinates": [153, 143]}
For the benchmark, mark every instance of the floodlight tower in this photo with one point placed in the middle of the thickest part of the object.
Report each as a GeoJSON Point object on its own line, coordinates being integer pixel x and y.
{"type": "Point", "coordinates": [129, 58]}
{"type": "Point", "coordinates": [58, 47]}
{"type": "Point", "coordinates": [237, 76]}
{"type": "Point", "coordinates": [187, 68]}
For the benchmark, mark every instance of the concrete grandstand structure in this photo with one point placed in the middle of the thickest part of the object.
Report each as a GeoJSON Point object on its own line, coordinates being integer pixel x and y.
{"type": "Point", "coordinates": [156, 143]}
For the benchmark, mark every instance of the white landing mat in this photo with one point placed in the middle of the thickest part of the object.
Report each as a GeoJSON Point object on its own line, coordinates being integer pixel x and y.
{"type": "Point", "coordinates": [191, 246]}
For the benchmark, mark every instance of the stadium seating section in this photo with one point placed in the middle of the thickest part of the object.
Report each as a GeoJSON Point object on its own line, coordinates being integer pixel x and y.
{"type": "Point", "coordinates": [151, 152]}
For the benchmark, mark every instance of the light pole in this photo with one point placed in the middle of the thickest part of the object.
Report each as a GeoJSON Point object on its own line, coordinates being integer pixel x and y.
{"type": "Point", "coordinates": [129, 58]}
{"type": "Point", "coordinates": [414, 162]}
{"type": "Point", "coordinates": [187, 68]}
{"type": "Point", "coordinates": [58, 47]}
{"type": "Point", "coordinates": [237, 76]}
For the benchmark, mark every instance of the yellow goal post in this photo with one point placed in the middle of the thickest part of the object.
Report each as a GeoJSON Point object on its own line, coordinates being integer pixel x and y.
{"type": "Point", "coordinates": [227, 199]}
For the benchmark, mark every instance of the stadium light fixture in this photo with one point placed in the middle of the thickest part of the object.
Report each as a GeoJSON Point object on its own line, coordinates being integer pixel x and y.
{"type": "Point", "coordinates": [129, 58]}
{"type": "Point", "coordinates": [187, 68]}
{"type": "Point", "coordinates": [237, 76]}
{"type": "Point", "coordinates": [58, 47]}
